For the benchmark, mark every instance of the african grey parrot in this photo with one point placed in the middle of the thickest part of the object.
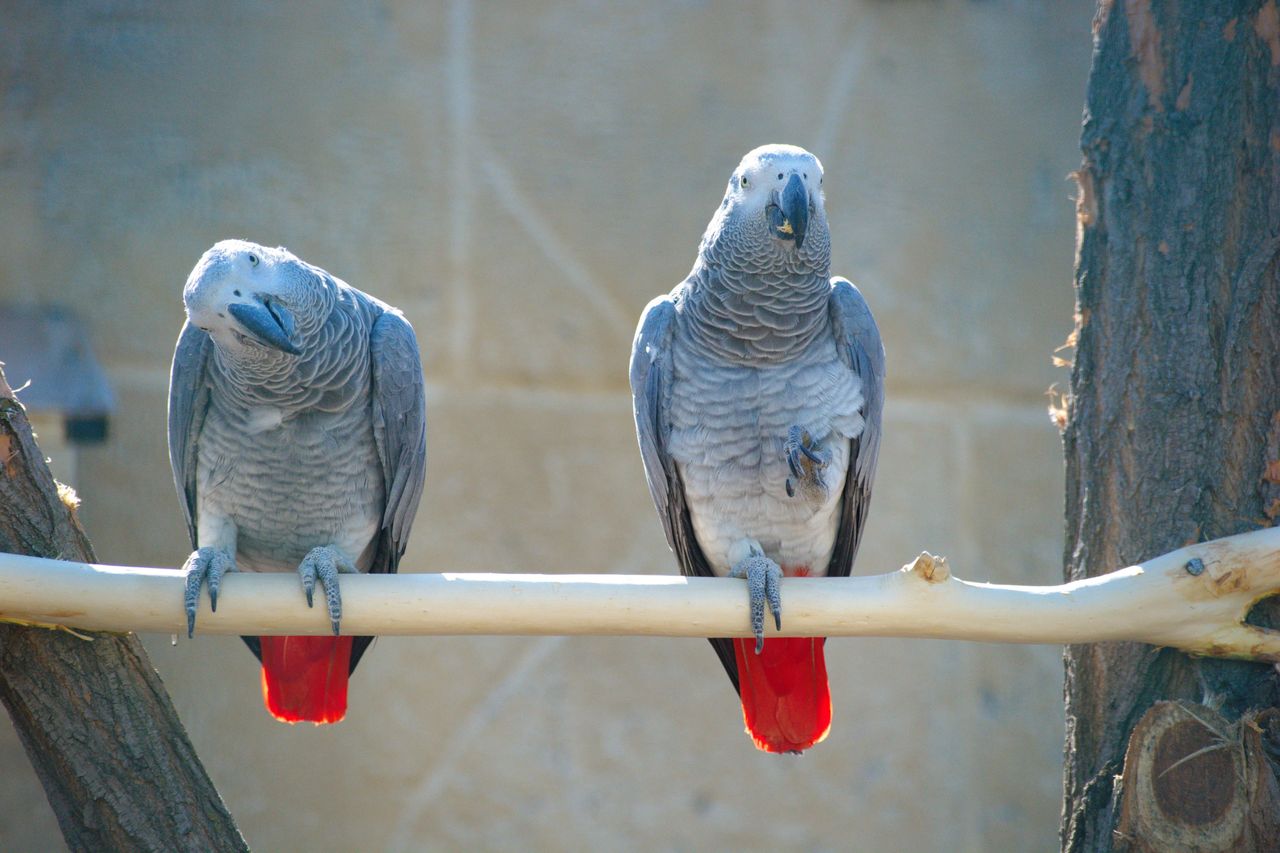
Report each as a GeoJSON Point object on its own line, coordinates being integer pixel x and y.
{"type": "Point", "coordinates": [758, 389]}
{"type": "Point", "coordinates": [297, 436]}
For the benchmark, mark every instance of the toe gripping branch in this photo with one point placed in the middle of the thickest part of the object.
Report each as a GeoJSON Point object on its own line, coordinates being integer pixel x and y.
{"type": "Point", "coordinates": [204, 566]}
{"type": "Point", "coordinates": [763, 578]}
{"type": "Point", "coordinates": [325, 563]}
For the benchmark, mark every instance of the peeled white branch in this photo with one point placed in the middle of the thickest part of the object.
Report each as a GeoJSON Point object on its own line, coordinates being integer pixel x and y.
{"type": "Point", "coordinates": [1195, 599]}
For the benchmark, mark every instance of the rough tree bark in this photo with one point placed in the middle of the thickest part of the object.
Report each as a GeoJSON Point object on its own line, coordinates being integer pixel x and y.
{"type": "Point", "coordinates": [1173, 423]}
{"type": "Point", "coordinates": [92, 713]}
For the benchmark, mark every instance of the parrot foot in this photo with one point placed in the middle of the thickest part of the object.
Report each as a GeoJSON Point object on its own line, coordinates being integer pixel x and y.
{"type": "Point", "coordinates": [807, 461]}
{"type": "Point", "coordinates": [763, 577]}
{"type": "Point", "coordinates": [325, 563]}
{"type": "Point", "coordinates": [205, 565]}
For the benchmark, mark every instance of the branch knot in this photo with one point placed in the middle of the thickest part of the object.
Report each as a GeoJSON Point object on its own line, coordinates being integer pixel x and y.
{"type": "Point", "coordinates": [929, 568]}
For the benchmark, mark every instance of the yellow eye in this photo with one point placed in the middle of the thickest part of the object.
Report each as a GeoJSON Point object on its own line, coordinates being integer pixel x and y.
{"type": "Point", "coordinates": [745, 182]}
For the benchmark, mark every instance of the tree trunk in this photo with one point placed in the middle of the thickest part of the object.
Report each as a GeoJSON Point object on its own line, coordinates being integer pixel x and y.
{"type": "Point", "coordinates": [92, 713]}
{"type": "Point", "coordinates": [1173, 423]}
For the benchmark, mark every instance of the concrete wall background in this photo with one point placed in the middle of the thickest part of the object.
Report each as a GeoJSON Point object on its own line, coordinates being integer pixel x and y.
{"type": "Point", "coordinates": [521, 180]}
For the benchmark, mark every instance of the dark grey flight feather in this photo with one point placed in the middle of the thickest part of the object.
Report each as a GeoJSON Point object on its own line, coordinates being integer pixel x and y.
{"type": "Point", "coordinates": [650, 372]}
{"type": "Point", "coordinates": [859, 341]}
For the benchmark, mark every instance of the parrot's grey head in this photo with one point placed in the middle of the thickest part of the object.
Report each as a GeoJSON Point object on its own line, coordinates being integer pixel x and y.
{"type": "Point", "coordinates": [250, 299]}
{"type": "Point", "coordinates": [774, 203]}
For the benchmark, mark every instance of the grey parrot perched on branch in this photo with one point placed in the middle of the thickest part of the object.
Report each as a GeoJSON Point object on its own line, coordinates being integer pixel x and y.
{"type": "Point", "coordinates": [297, 437]}
{"type": "Point", "coordinates": [758, 389]}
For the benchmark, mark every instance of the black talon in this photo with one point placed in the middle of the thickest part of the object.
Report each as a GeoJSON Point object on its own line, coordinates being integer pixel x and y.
{"type": "Point", "coordinates": [213, 600]}
{"type": "Point", "coordinates": [791, 489]}
{"type": "Point", "coordinates": [310, 592]}
{"type": "Point", "coordinates": [191, 624]}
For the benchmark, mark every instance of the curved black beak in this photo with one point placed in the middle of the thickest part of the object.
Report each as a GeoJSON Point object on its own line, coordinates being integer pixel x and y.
{"type": "Point", "coordinates": [795, 207]}
{"type": "Point", "coordinates": [789, 212]}
{"type": "Point", "coordinates": [267, 322]}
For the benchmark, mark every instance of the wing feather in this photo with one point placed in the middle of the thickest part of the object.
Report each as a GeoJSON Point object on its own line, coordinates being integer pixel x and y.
{"type": "Point", "coordinates": [863, 352]}
{"type": "Point", "coordinates": [651, 374]}
{"type": "Point", "coordinates": [399, 412]}
{"type": "Point", "coordinates": [399, 429]}
{"type": "Point", "coordinates": [188, 403]}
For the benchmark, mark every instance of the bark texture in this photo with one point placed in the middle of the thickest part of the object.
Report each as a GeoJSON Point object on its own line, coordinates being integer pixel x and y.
{"type": "Point", "coordinates": [92, 714]}
{"type": "Point", "coordinates": [1173, 424]}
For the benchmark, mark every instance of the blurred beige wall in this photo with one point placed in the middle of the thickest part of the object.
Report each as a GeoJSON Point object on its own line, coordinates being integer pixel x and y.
{"type": "Point", "coordinates": [521, 180]}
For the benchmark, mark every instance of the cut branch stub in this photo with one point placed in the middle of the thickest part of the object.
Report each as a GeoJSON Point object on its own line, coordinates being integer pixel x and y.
{"type": "Point", "coordinates": [932, 569]}
{"type": "Point", "coordinates": [1193, 781]}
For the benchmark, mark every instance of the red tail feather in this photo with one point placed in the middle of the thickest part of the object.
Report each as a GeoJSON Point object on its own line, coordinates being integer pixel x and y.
{"type": "Point", "coordinates": [785, 700]}
{"type": "Point", "coordinates": [305, 678]}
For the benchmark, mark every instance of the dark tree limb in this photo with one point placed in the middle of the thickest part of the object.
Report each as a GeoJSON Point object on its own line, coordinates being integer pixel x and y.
{"type": "Point", "coordinates": [1171, 433]}
{"type": "Point", "coordinates": [93, 716]}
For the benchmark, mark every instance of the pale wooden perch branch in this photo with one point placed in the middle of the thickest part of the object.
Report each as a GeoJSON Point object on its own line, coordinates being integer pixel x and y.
{"type": "Point", "coordinates": [1195, 599]}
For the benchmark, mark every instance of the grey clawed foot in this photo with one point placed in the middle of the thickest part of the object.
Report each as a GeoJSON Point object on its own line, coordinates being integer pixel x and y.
{"type": "Point", "coordinates": [806, 459]}
{"type": "Point", "coordinates": [325, 563]}
{"type": "Point", "coordinates": [763, 585]}
{"type": "Point", "coordinates": [205, 565]}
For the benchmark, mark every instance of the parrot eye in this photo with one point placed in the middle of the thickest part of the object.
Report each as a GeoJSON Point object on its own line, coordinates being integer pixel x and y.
{"type": "Point", "coordinates": [745, 182]}
{"type": "Point", "coordinates": [253, 260]}
{"type": "Point", "coordinates": [779, 176]}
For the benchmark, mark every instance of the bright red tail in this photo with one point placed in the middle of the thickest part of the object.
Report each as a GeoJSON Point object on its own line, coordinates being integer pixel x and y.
{"type": "Point", "coordinates": [785, 700]}
{"type": "Point", "coordinates": [305, 678]}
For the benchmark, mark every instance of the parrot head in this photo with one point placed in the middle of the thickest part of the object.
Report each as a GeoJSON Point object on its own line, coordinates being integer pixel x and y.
{"type": "Point", "coordinates": [248, 298]}
{"type": "Point", "coordinates": [774, 198]}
